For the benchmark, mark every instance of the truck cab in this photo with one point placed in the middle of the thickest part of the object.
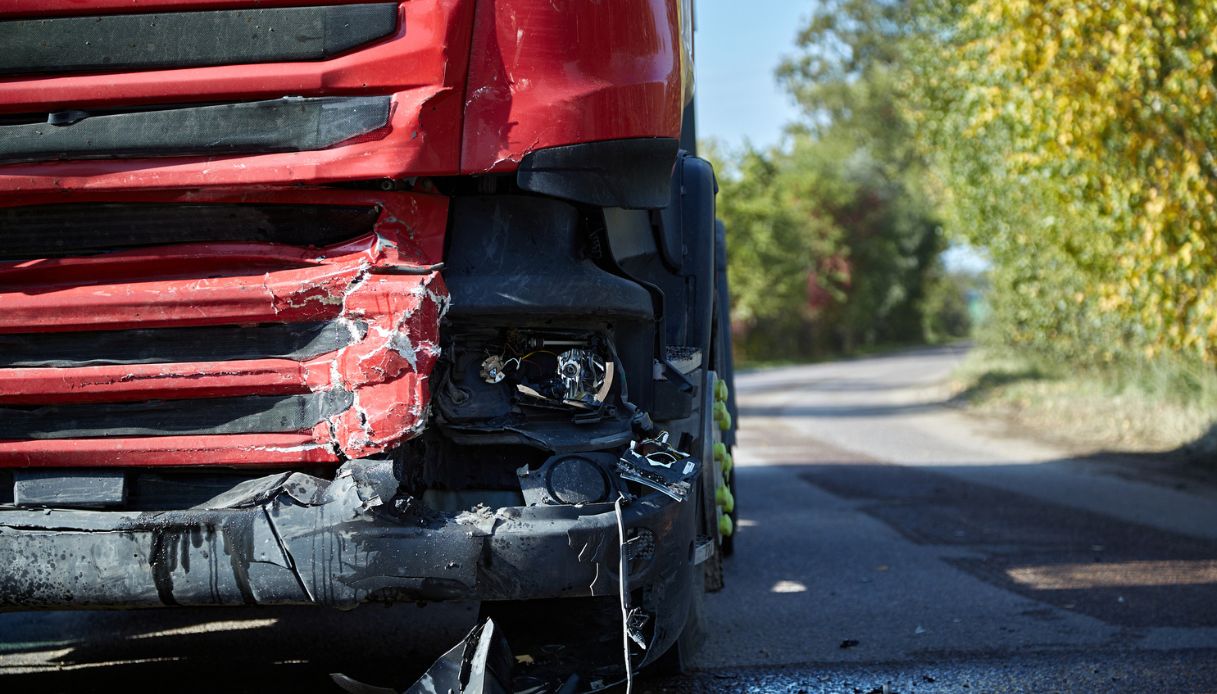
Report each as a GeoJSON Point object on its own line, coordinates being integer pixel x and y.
{"type": "Point", "coordinates": [329, 302]}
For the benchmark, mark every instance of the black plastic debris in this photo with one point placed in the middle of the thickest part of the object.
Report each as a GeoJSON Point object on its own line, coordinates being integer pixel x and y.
{"type": "Point", "coordinates": [656, 464]}
{"type": "Point", "coordinates": [480, 664]}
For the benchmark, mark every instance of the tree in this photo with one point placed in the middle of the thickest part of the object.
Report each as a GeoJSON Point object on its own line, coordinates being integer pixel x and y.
{"type": "Point", "coordinates": [834, 237]}
{"type": "Point", "coordinates": [775, 239]}
{"type": "Point", "coordinates": [854, 143]}
{"type": "Point", "coordinates": [1076, 143]}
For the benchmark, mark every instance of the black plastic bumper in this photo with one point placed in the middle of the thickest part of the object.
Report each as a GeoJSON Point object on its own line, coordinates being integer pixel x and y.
{"type": "Point", "coordinates": [296, 539]}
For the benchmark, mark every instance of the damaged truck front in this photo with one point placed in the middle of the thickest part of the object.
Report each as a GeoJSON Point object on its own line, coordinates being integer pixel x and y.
{"type": "Point", "coordinates": [331, 302]}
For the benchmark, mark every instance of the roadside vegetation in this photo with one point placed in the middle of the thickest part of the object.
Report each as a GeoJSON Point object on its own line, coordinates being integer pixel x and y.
{"type": "Point", "coordinates": [1073, 144]}
{"type": "Point", "coordinates": [1154, 405]}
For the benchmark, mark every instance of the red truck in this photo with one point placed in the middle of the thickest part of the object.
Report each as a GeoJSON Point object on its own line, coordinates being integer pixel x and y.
{"type": "Point", "coordinates": [332, 302]}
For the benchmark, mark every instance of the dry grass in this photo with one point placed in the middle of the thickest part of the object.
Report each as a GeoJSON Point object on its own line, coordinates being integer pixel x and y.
{"type": "Point", "coordinates": [1166, 405]}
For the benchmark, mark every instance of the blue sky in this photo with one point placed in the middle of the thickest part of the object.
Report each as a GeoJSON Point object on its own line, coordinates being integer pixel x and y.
{"type": "Point", "coordinates": [739, 43]}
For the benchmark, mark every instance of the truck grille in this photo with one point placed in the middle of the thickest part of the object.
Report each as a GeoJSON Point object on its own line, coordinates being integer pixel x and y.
{"type": "Point", "coordinates": [124, 95]}
{"type": "Point", "coordinates": [218, 349]}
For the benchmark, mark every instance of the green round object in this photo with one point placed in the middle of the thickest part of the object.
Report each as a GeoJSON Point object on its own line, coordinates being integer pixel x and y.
{"type": "Point", "coordinates": [725, 527]}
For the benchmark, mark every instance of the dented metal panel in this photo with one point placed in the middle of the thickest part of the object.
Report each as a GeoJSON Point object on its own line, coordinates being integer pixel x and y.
{"type": "Point", "coordinates": [545, 74]}
{"type": "Point", "coordinates": [291, 538]}
{"type": "Point", "coordinates": [469, 94]}
{"type": "Point", "coordinates": [368, 392]}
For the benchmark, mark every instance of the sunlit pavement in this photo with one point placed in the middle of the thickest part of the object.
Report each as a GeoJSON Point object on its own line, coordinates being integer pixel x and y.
{"type": "Point", "coordinates": [888, 542]}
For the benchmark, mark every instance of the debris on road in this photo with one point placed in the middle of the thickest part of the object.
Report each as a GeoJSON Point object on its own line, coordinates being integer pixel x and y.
{"type": "Point", "coordinates": [480, 664]}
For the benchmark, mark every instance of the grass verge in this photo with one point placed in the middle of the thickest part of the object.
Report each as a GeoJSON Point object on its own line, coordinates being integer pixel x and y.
{"type": "Point", "coordinates": [1152, 406]}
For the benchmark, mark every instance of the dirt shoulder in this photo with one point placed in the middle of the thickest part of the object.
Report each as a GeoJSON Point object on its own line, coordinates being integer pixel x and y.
{"type": "Point", "coordinates": [1163, 417]}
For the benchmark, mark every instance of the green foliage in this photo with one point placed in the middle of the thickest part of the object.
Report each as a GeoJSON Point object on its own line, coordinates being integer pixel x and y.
{"type": "Point", "coordinates": [949, 306]}
{"type": "Point", "coordinates": [833, 242]}
{"type": "Point", "coordinates": [1075, 142]}
{"type": "Point", "coordinates": [774, 236]}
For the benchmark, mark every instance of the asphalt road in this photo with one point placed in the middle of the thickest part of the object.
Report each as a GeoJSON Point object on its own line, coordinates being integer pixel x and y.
{"type": "Point", "coordinates": [888, 543]}
{"type": "Point", "coordinates": [890, 540]}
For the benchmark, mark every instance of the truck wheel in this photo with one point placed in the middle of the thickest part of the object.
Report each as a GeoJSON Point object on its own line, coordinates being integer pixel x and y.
{"type": "Point", "coordinates": [678, 659]}
{"type": "Point", "coordinates": [708, 577]}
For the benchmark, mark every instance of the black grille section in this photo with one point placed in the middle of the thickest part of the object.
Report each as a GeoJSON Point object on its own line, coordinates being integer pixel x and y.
{"type": "Point", "coordinates": [48, 231]}
{"type": "Point", "coordinates": [190, 39]}
{"type": "Point", "coordinates": [296, 341]}
{"type": "Point", "coordinates": [243, 415]}
{"type": "Point", "coordinates": [291, 124]}
{"type": "Point", "coordinates": [184, 488]}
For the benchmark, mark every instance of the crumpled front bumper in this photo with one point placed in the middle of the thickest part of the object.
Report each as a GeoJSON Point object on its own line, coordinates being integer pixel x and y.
{"type": "Point", "coordinates": [292, 538]}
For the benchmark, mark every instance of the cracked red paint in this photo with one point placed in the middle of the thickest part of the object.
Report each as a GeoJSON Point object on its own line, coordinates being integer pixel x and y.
{"type": "Point", "coordinates": [385, 282]}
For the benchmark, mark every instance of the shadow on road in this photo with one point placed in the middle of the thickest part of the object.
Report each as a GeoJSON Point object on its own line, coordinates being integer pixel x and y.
{"type": "Point", "coordinates": [216, 649]}
{"type": "Point", "coordinates": [1118, 572]}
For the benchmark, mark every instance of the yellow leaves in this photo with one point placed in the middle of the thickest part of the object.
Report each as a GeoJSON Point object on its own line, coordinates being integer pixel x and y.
{"type": "Point", "coordinates": [1155, 206]}
{"type": "Point", "coordinates": [1102, 115]}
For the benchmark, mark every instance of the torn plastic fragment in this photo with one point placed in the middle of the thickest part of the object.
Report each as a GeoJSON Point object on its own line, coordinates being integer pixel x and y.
{"type": "Point", "coordinates": [492, 369]}
{"type": "Point", "coordinates": [606, 384]}
{"type": "Point", "coordinates": [481, 519]}
{"type": "Point", "coordinates": [656, 464]}
{"type": "Point", "coordinates": [304, 489]}
{"type": "Point", "coordinates": [635, 620]}
{"type": "Point", "coordinates": [480, 664]}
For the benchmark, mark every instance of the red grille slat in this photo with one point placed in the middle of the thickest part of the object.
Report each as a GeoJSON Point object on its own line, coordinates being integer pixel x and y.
{"type": "Point", "coordinates": [165, 451]}
{"type": "Point", "coordinates": [130, 383]}
{"type": "Point", "coordinates": [285, 297]}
